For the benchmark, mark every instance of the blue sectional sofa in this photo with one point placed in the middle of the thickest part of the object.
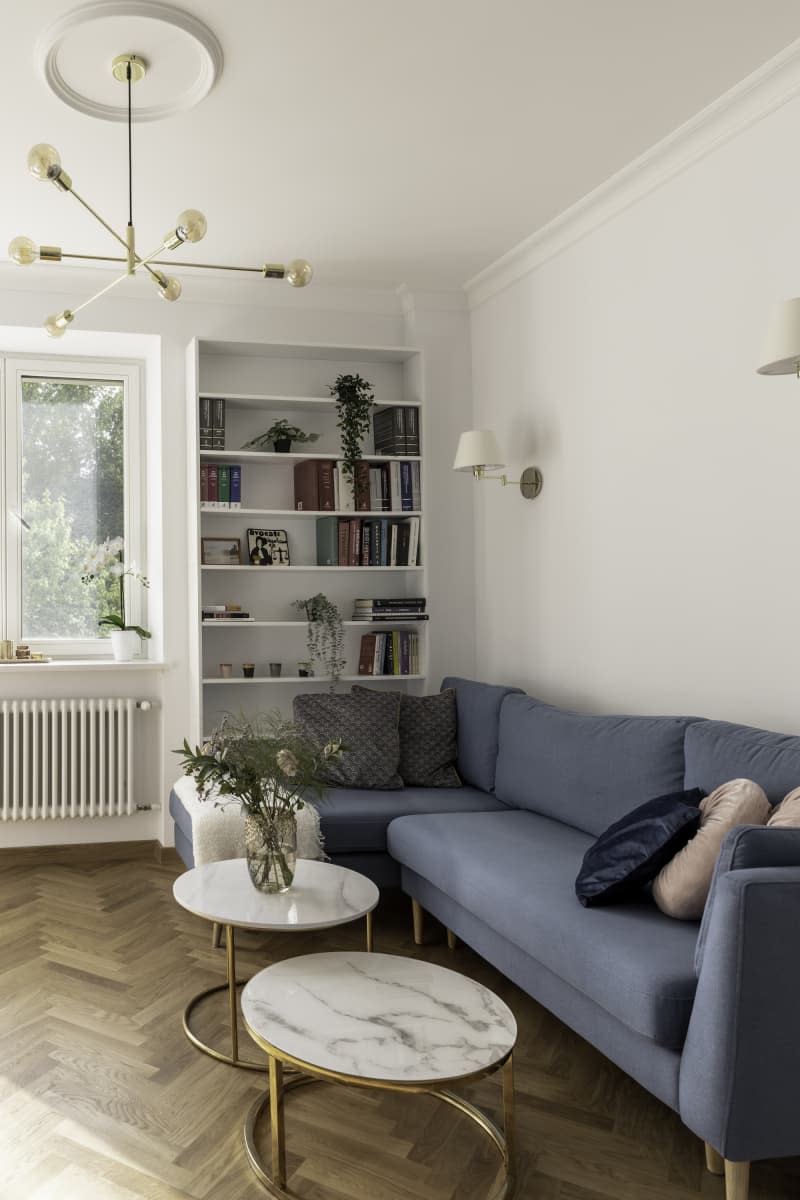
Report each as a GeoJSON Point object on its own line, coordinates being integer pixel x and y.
{"type": "Point", "coordinates": [703, 1015]}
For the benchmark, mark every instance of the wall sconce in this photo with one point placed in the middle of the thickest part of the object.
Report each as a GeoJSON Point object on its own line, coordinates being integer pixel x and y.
{"type": "Point", "coordinates": [479, 452]}
{"type": "Point", "coordinates": [781, 351]}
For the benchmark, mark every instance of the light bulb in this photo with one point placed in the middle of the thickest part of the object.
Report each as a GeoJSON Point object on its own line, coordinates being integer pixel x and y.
{"type": "Point", "coordinates": [23, 251]}
{"type": "Point", "coordinates": [192, 225]}
{"type": "Point", "coordinates": [170, 289]}
{"type": "Point", "coordinates": [56, 326]}
{"type": "Point", "coordinates": [43, 161]}
{"type": "Point", "coordinates": [299, 272]}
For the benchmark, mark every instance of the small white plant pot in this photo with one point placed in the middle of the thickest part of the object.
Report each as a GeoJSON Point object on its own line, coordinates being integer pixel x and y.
{"type": "Point", "coordinates": [124, 644]}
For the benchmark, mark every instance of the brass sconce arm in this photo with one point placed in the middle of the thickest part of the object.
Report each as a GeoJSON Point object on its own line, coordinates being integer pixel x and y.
{"type": "Point", "coordinates": [530, 482]}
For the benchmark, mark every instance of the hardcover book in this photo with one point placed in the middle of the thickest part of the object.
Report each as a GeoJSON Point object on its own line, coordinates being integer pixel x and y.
{"type": "Point", "coordinates": [313, 486]}
{"type": "Point", "coordinates": [218, 423]}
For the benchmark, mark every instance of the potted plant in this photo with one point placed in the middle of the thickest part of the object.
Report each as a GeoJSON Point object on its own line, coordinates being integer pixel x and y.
{"type": "Point", "coordinates": [325, 635]}
{"type": "Point", "coordinates": [354, 398]}
{"type": "Point", "coordinates": [281, 434]}
{"type": "Point", "coordinates": [107, 560]}
{"type": "Point", "coordinates": [271, 769]}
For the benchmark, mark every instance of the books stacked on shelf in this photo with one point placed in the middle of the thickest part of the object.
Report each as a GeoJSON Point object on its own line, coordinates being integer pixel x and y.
{"type": "Point", "coordinates": [221, 485]}
{"type": "Point", "coordinates": [394, 487]}
{"type": "Point", "coordinates": [212, 423]}
{"type": "Point", "coordinates": [314, 489]}
{"type": "Point", "coordinates": [396, 430]}
{"type": "Point", "coordinates": [395, 652]}
{"type": "Point", "coordinates": [356, 542]}
{"type": "Point", "coordinates": [225, 612]}
{"type": "Point", "coordinates": [404, 608]}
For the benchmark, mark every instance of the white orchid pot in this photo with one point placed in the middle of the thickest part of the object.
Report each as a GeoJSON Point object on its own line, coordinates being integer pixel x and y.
{"type": "Point", "coordinates": [124, 644]}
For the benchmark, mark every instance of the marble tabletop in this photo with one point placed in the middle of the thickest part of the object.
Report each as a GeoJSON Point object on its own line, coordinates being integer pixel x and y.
{"type": "Point", "coordinates": [322, 895]}
{"type": "Point", "coordinates": [379, 1017]}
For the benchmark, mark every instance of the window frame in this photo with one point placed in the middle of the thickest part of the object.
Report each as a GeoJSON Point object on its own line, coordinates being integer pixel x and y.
{"type": "Point", "coordinates": [130, 373]}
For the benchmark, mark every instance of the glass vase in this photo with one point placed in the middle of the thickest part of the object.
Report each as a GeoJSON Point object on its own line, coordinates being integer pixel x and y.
{"type": "Point", "coordinates": [271, 848]}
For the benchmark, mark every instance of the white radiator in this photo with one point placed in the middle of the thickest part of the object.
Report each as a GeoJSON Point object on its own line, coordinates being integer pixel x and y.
{"type": "Point", "coordinates": [66, 758]}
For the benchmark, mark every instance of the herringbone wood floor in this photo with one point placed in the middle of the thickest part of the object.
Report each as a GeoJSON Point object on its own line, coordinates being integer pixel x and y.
{"type": "Point", "coordinates": [102, 1097]}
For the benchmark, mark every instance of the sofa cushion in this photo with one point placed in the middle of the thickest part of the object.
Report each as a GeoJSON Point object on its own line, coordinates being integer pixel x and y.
{"type": "Point", "coordinates": [478, 706]}
{"type": "Point", "coordinates": [632, 851]}
{"type": "Point", "coordinates": [428, 738]}
{"type": "Point", "coordinates": [355, 821]}
{"type": "Point", "coordinates": [368, 725]}
{"type": "Point", "coordinates": [516, 871]}
{"type": "Point", "coordinates": [587, 771]}
{"type": "Point", "coordinates": [717, 751]}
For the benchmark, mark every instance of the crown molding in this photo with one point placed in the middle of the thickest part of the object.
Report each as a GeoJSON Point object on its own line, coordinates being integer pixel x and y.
{"type": "Point", "coordinates": [755, 97]}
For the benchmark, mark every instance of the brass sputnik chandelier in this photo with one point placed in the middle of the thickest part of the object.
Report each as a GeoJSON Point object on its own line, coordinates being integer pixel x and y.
{"type": "Point", "coordinates": [44, 164]}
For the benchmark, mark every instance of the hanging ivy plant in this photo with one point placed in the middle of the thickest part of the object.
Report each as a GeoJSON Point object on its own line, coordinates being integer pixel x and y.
{"type": "Point", "coordinates": [354, 399]}
{"type": "Point", "coordinates": [325, 635]}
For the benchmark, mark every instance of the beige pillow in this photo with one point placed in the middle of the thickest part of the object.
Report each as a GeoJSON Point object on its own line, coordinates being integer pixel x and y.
{"type": "Point", "coordinates": [681, 887]}
{"type": "Point", "coordinates": [787, 813]}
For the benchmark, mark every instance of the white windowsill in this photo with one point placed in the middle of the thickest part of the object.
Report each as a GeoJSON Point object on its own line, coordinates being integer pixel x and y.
{"type": "Point", "coordinates": [82, 664]}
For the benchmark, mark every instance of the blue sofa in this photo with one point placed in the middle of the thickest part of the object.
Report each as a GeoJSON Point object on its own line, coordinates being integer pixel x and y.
{"type": "Point", "coordinates": [703, 1015]}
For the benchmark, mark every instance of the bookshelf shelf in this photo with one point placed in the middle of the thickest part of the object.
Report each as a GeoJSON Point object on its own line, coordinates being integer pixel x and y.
{"type": "Point", "coordinates": [258, 383]}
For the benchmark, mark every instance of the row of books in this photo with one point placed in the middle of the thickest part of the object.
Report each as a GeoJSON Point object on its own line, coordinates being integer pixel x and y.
{"type": "Point", "coordinates": [212, 423]}
{"type": "Point", "coordinates": [396, 430]}
{"type": "Point", "coordinates": [391, 653]}
{"type": "Point", "coordinates": [404, 608]}
{"type": "Point", "coordinates": [225, 612]}
{"type": "Point", "coordinates": [221, 485]}
{"type": "Point", "coordinates": [354, 542]}
{"type": "Point", "coordinates": [323, 486]}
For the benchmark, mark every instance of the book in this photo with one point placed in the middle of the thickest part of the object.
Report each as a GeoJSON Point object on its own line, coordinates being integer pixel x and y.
{"type": "Point", "coordinates": [346, 501]}
{"type": "Point", "coordinates": [223, 485]}
{"type": "Point", "coordinates": [380, 654]}
{"type": "Point", "coordinates": [206, 432]}
{"type": "Point", "coordinates": [368, 618]}
{"type": "Point", "coordinates": [388, 427]}
{"type": "Point", "coordinates": [344, 541]}
{"type": "Point", "coordinates": [327, 541]}
{"type": "Point", "coordinates": [313, 486]}
{"type": "Point", "coordinates": [392, 544]}
{"type": "Point", "coordinates": [413, 548]}
{"type": "Point", "coordinates": [204, 483]}
{"type": "Point", "coordinates": [365, 543]}
{"type": "Point", "coordinates": [411, 429]}
{"type": "Point", "coordinates": [403, 543]}
{"type": "Point", "coordinates": [403, 638]}
{"type": "Point", "coordinates": [375, 489]}
{"type": "Point", "coordinates": [212, 486]}
{"type": "Point", "coordinates": [236, 485]}
{"type": "Point", "coordinates": [366, 657]}
{"type": "Point", "coordinates": [388, 658]}
{"type": "Point", "coordinates": [416, 486]}
{"type": "Point", "coordinates": [384, 544]}
{"type": "Point", "coordinates": [395, 491]}
{"type": "Point", "coordinates": [406, 489]}
{"type": "Point", "coordinates": [415, 602]}
{"type": "Point", "coordinates": [218, 423]}
{"type": "Point", "coordinates": [362, 487]}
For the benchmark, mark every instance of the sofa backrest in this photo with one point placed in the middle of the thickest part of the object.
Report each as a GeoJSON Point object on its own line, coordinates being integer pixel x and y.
{"type": "Point", "coordinates": [478, 706]}
{"type": "Point", "coordinates": [717, 751]}
{"type": "Point", "coordinates": [587, 771]}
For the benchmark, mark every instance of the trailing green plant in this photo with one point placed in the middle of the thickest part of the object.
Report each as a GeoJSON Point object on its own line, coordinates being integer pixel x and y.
{"type": "Point", "coordinates": [281, 431]}
{"type": "Point", "coordinates": [108, 559]}
{"type": "Point", "coordinates": [325, 635]}
{"type": "Point", "coordinates": [354, 399]}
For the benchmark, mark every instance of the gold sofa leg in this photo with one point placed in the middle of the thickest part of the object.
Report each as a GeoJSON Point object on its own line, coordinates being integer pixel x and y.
{"type": "Point", "coordinates": [216, 936]}
{"type": "Point", "coordinates": [715, 1163]}
{"type": "Point", "coordinates": [737, 1180]}
{"type": "Point", "coordinates": [452, 940]}
{"type": "Point", "coordinates": [417, 913]}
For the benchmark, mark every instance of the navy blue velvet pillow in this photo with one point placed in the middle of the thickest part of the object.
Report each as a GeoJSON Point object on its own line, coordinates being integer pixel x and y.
{"type": "Point", "coordinates": [633, 850]}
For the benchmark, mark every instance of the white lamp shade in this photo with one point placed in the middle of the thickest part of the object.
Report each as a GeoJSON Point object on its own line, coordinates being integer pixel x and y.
{"type": "Point", "coordinates": [478, 448]}
{"type": "Point", "coordinates": [781, 350]}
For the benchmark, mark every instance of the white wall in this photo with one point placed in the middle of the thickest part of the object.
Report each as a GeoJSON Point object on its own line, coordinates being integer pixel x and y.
{"type": "Point", "coordinates": [237, 310]}
{"type": "Point", "coordinates": [659, 569]}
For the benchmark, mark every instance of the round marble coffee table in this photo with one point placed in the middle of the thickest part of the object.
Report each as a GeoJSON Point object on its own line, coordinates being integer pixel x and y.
{"type": "Point", "coordinates": [322, 896]}
{"type": "Point", "coordinates": [376, 1021]}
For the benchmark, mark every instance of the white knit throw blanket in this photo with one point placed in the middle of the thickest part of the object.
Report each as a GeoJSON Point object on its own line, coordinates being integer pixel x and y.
{"type": "Point", "coordinates": [218, 832]}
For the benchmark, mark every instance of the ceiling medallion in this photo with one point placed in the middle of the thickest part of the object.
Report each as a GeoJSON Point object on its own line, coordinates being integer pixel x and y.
{"type": "Point", "coordinates": [44, 164]}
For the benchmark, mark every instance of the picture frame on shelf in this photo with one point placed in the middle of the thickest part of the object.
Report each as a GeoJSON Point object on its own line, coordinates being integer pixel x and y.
{"type": "Point", "coordinates": [268, 548]}
{"type": "Point", "coordinates": [221, 551]}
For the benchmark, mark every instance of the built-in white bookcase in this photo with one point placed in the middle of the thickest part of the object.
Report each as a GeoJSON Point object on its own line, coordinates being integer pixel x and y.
{"type": "Point", "coordinates": [261, 382]}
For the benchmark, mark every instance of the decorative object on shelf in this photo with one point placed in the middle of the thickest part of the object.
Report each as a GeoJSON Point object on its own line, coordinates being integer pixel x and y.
{"type": "Point", "coordinates": [226, 670]}
{"type": "Point", "coordinates": [325, 635]}
{"type": "Point", "coordinates": [44, 164]}
{"type": "Point", "coordinates": [268, 547]}
{"type": "Point", "coordinates": [281, 434]}
{"type": "Point", "coordinates": [272, 769]}
{"type": "Point", "coordinates": [354, 399]}
{"type": "Point", "coordinates": [275, 670]}
{"type": "Point", "coordinates": [105, 560]}
{"type": "Point", "coordinates": [780, 353]}
{"type": "Point", "coordinates": [479, 452]}
{"type": "Point", "coordinates": [248, 670]}
{"type": "Point", "coordinates": [305, 670]}
{"type": "Point", "coordinates": [220, 551]}
{"type": "Point", "coordinates": [6, 650]}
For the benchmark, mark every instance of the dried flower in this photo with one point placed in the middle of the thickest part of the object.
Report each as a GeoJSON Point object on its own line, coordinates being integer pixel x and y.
{"type": "Point", "coordinates": [287, 762]}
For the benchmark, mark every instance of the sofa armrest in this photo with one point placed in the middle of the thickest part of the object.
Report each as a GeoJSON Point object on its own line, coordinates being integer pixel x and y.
{"type": "Point", "coordinates": [740, 1069]}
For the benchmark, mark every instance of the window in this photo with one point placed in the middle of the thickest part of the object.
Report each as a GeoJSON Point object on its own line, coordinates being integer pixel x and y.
{"type": "Point", "coordinates": [73, 471]}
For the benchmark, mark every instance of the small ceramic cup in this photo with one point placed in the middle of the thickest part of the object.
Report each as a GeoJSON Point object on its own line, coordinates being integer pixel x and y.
{"type": "Point", "coordinates": [248, 670]}
{"type": "Point", "coordinates": [226, 670]}
{"type": "Point", "coordinates": [275, 669]}
{"type": "Point", "coordinates": [304, 670]}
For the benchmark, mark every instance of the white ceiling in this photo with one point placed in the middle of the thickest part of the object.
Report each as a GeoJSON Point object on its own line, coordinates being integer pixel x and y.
{"type": "Point", "coordinates": [389, 141]}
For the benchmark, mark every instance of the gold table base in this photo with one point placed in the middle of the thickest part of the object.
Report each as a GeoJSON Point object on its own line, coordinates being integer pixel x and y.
{"type": "Point", "coordinates": [274, 1180]}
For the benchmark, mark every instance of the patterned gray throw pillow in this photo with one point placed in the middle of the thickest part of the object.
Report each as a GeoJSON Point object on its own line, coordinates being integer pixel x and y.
{"type": "Point", "coordinates": [368, 725]}
{"type": "Point", "coordinates": [428, 738]}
